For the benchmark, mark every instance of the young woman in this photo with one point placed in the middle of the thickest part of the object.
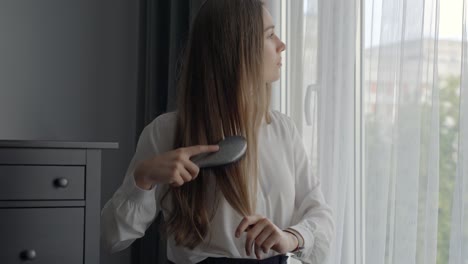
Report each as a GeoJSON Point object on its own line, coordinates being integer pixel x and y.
{"type": "Point", "coordinates": [261, 207]}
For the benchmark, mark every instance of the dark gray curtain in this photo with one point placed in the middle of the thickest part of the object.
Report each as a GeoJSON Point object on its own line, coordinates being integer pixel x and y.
{"type": "Point", "coordinates": [163, 30]}
{"type": "Point", "coordinates": [164, 26]}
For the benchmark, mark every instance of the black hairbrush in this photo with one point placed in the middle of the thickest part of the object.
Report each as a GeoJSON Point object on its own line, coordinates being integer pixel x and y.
{"type": "Point", "coordinates": [231, 149]}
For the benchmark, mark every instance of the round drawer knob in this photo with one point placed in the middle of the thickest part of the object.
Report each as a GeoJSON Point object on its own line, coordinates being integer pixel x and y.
{"type": "Point", "coordinates": [28, 254]}
{"type": "Point", "coordinates": [61, 182]}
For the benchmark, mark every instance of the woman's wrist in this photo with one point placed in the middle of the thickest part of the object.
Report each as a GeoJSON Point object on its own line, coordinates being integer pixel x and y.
{"type": "Point", "coordinates": [142, 184]}
{"type": "Point", "coordinates": [293, 241]}
{"type": "Point", "coordinates": [140, 175]}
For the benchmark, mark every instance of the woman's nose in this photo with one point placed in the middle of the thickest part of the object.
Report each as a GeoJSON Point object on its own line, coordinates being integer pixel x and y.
{"type": "Point", "coordinates": [282, 46]}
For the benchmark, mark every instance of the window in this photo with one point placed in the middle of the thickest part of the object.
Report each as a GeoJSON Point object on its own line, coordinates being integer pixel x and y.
{"type": "Point", "coordinates": [407, 195]}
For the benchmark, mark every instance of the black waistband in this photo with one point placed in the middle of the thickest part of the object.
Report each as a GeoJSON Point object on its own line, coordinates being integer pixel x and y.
{"type": "Point", "coordinates": [279, 259]}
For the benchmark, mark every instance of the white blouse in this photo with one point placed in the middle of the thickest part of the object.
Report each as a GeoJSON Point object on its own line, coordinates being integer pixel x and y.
{"type": "Point", "coordinates": [288, 194]}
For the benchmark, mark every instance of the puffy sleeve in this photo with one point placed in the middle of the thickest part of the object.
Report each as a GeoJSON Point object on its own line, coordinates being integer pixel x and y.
{"type": "Point", "coordinates": [131, 210]}
{"type": "Point", "coordinates": [312, 216]}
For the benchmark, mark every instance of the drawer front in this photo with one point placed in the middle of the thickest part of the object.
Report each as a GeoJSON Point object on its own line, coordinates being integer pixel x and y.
{"type": "Point", "coordinates": [42, 182]}
{"type": "Point", "coordinates": [42, 235]}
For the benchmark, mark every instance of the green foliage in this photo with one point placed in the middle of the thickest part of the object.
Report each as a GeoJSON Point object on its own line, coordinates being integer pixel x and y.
{"type": "Point", "coordinates": [449, 101]}
{"type": "Point", "coordinates": [449, 130]}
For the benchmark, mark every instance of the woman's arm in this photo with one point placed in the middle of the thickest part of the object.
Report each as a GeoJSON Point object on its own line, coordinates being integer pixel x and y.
{"type": "Point", "coordinates": [130, 211]}
{"type": "Point", "coordinates": [312, 216]}
{"type": "Point", "coordinates": [134, 205]}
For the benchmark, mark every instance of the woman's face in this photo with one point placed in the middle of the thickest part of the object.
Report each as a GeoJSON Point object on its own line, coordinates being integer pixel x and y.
{"type": "Point", "coordinates": [272, 49]}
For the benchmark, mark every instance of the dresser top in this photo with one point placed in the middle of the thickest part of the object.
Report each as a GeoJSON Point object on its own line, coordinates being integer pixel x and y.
{"type": "Point", "coordinates": [57, 144]}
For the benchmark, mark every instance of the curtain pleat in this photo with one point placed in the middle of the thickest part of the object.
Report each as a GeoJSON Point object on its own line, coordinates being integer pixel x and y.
{"type": "Point", "coordinates": [459, 223]}
{"type": "Point", "coordinates": [335, 118]}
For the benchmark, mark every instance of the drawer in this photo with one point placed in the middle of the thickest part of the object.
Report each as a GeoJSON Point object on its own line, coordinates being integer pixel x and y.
{"type": "Point", "coordinates": [42, 235]}
{"type": "Point", "coordinates": [42, 182]}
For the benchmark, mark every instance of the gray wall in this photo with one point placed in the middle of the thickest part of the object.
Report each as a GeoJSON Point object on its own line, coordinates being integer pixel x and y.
{"type": "Point", "coordinates": [68, 71]}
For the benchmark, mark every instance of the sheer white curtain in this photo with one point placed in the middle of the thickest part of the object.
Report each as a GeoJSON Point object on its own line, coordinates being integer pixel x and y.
{"type": "Point", "coordinates": [459, 223]}
{"type": "Point", "coordinates": [320, 76]}
{"type": "Point", "coordinates": [415, 123]}
{"type": "Point", "coordinates": [335, 118]}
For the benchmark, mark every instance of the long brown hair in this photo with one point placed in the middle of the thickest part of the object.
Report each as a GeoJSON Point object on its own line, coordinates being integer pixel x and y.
{"type": "Point", "coordinates": [221, 93]}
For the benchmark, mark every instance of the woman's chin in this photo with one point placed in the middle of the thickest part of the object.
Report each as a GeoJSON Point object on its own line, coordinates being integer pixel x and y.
{"type": "Point", "coordinates": [272, 80]}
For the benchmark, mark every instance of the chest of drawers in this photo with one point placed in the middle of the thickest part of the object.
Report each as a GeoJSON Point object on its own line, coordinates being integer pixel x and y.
{"type": "Point", "coordinates": [50, 201]}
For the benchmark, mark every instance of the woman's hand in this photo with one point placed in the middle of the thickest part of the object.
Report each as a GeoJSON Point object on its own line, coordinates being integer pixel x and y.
{"type": "Point", "coordinates": [265, 235]}
{"type": "Point", "coordinates": [172, 167]}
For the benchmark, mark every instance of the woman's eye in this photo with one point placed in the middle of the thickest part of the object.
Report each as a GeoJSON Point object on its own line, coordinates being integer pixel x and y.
{"type": "Point", "coordinates": [271, 35]}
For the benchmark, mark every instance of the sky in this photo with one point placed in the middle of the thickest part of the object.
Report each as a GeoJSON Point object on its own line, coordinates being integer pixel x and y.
{"type": "Point", "coordinates": [451, 12]}
{"type": "Point", "coordinates": [450, 17]}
